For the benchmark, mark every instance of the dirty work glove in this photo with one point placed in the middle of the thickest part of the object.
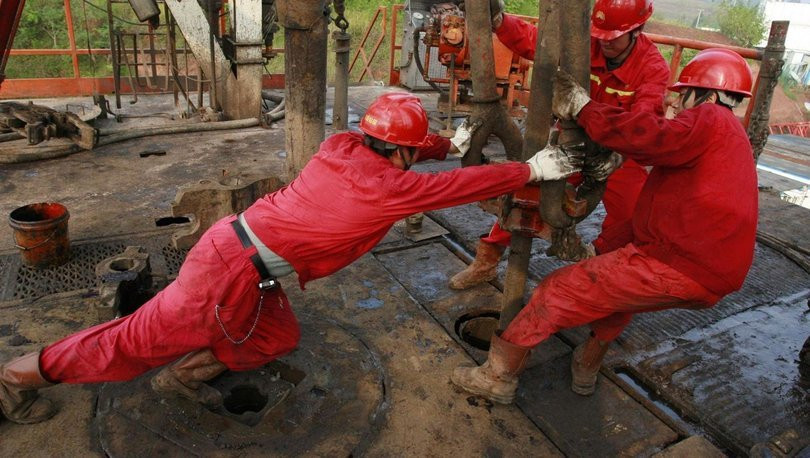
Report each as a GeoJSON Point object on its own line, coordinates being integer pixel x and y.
{"type": "Point", "coordinates": [464, 134]}
{"type": "Point", "coordinates": [601, 166]}
{"type": "Point", "coordinates": [555, 163]}
{"type": "Point", "coordinates": [569, 97]}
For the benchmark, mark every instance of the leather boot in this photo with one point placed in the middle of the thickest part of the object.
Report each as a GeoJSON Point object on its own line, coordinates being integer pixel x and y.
{"type": "Point", "coordinates": [185, 377]}
{"type": "Point", "coordinates": [585, 363]}
{"type": "Point", "coordinates": [19, 381]}
{"type": "Point", "coordinates": [483, 268]}
{"type": "Point", "coordinates": [497, 378]}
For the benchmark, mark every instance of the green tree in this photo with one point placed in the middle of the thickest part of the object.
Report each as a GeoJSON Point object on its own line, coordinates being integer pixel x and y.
{"type": "Point", "coordinates": [742, 22]}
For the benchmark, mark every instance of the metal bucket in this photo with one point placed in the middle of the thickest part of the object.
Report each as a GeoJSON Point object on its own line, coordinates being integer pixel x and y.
{"type": "Point", "coordinates": [41, 234]}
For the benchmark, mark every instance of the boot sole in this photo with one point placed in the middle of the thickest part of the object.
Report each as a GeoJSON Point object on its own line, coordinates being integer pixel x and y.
{"type": "Point", "coordinates": [463, 286]}
{"type": "Point", "coordinates": [28, 422]}
{"type": "Point", "coordinates": [171, 392]}
{"type": "Point", "coordinates": [485, 394]}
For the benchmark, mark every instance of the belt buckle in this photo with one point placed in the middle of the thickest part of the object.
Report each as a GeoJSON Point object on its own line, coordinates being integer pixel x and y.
{"type": "Point", "coordinates": [268, 283]}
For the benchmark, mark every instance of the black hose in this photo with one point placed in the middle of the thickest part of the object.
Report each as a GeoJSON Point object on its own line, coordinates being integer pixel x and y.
{"type": "Point", "coordinates": [418, 60]}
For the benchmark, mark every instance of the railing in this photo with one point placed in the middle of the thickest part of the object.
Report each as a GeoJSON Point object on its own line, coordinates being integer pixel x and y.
{"type": "Point", "coordinates": [79, 85]}
{"type": "Point", "coordinates": [800, 129]}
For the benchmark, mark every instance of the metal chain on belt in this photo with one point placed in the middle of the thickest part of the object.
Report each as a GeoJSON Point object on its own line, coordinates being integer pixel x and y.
{"type": "Point", "coordinates": [340, 19]}
{"type": "Point", "coordinates": [252, 328]}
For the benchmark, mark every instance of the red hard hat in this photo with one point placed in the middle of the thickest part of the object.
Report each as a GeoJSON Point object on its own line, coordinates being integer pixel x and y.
{"type": "Point", "coordinates": [613, 18]}
{"type": "Point", "coordinates": [396, 118]}
{"type": "Point", "coordinates": [716, 68]}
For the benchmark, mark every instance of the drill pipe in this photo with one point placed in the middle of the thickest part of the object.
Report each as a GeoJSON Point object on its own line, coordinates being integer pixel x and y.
{"type": "Point", "coordinates": [486, 103]}
{"type": "Point", "coordinates": [538, 121]}
{"type": "Point", "coordinates": [305, 42]}
{"type": "Point", "coordinates": [574, 41]}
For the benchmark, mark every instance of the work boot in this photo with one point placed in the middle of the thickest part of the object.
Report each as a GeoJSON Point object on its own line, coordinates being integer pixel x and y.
{"type": "Point", "coordinates": [19, 381]}
{"type": "Point", "coordinates": [185, 377]}
{"type": "Point", "coordinates": [483, 268]}
{"type": "Point", "coordinates": [585, 363]}
{"type": "Point", "coordinates": [497, 378]}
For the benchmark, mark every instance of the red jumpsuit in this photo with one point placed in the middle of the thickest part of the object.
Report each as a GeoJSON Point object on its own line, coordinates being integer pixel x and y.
{"type": "Point", "coordinates": [637, 85]}
{"type": "Point", "coordinates": [691, 238]}
{"type": "Point", "coordinates": [344, 201]}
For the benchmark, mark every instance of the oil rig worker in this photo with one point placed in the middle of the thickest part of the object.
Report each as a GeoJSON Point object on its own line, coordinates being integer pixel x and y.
{"type": "Point", "coordinates": [690, 241]}
{"type": "Point", "coordinates": [226, 309]}
{"type": "Point", "coordinates": [627, 71]}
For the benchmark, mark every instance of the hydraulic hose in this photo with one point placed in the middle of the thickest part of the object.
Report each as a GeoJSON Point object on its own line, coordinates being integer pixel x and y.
{"type": "Point", "coordinates": [418, 61]}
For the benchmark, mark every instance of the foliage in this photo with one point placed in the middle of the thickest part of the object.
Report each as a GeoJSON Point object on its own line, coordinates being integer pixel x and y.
{"type": "Point", "coordinates": [742, 22]}
{"type": "Point", "coordinates": [43, 25]}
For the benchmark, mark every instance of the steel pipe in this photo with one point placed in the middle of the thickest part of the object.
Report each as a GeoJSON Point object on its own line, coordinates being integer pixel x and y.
{"type": "Point", "coordinates": [305, 42]}
{"type": "Point", "coordinates": [340, 108]}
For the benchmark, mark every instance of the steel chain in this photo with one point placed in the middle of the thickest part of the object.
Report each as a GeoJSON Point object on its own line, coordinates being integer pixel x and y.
{"type": "Point", "coordinates": [340, 19]}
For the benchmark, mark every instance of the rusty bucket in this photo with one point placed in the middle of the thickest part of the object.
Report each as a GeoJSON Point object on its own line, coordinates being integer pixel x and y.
{"type": "Point", "coordinates": [41, 234]}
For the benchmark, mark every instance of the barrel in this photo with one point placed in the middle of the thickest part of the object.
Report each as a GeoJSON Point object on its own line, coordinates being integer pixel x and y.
{"type": "Point", "coordinates": [41, 234]}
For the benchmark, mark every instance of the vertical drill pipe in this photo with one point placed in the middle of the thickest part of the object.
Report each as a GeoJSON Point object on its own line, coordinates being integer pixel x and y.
{"type": "Point", "coordinates": [538, 122]}
{"type": "Point", "coordinates": [212, 25]}
{"type": "Point", "coordinates": [575, 59]}
{"type": "Point", "coordinates": [114, 55]}
{"type": "Point", "coordinates": [340, 109]}
{"type": "Point", "coordinates": [305, 42]}
{"type": "Point", "coordinates": [486, 102]}
{"type": "Point", "coordinates": [772, 62]}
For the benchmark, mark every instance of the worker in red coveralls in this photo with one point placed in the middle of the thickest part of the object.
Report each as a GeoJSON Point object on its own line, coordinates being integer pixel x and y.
{"type": "Point", "coordinates": [690, 241]}
{"type": "Point", "coordinates": [226, 309]}
{"type": "Point", "coordinates": [627, 71]}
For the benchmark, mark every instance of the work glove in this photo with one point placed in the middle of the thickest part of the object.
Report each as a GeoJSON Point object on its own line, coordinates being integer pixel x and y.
{"type": "Point", "coordinates": [462, 139]}
{"type": "Point", "coordinates": [569, 97]}
{"type": "Point", "coordinates": [555, 163]}
{"type": "Point", "coordinates": [600, 166]}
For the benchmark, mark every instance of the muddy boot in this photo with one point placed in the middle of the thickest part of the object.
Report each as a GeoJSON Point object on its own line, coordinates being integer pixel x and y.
{"type": "Point", "coordinates": [585, 363]}
{"type": "Point", "coordinates": [483, 268]}
{"type": "Point", "coordinates": [497, 378]}
{"type": "Point", "coordinates": [185, 377]}
{"type": "Point", "coordinates": [19, 380]}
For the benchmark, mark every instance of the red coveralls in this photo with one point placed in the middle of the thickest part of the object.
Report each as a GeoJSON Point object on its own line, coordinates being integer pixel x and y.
{"type": "Point", "coordinates": [691, 238]}
{"type": "Point", "coordinates": [637, 85]}
{"type": "Point", "coordinates": [344, 201]}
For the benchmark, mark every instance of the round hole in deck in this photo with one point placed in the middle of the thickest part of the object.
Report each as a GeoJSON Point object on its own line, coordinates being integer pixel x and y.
{"type": "Point", "coordinates": [245, 398]}
{"type": "Point", "coordinates": [122, 265]}
{"type": "Point", "coordinates": [477, 328]}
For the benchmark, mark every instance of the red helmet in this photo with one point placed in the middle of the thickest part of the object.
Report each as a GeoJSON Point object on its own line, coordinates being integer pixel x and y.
{"type": "Point", "coordinates": [396, 118]}
{"type": "Point", "coordinates": [716, 68]}
{"type": "Point", "coordinates": [613, 18]}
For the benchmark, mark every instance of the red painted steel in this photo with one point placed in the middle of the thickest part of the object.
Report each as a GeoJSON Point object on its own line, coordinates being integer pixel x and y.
{"type": "Point", "coordinates": [19, 88]}
{"type": "Point", "coordinates": [748, 53]}
{"type": "Point", "coordinates": [800, 129]}
{"type": "Point", "coordinates": [10, 12]}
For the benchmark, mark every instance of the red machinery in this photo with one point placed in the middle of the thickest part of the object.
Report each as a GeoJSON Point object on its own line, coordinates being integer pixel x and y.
{"type": "Point", "coordinates": [445, 30]}
{"type": "Point", "coordinates": [10, 12]}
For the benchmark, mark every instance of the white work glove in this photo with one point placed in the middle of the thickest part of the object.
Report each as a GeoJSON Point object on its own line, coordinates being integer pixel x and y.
{"type": "Point", "coordinates": [555, 163]}
{"type": "Point", "coordinates": [464, 133]}
{"type": "Point", "coordinates": [569, 97]}
{"type": "Point", "coordinates": [601, 166]}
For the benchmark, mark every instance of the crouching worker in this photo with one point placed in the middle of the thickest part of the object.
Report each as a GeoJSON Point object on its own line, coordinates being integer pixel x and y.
{"type": "Point", "coordinates": [226, 309]}
{"type": "Point", "coordinates": [691, 238]}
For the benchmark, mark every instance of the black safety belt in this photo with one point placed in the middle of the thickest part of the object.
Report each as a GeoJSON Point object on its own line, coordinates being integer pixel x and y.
{"type": "Point", "coordinates": [267, 281]}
